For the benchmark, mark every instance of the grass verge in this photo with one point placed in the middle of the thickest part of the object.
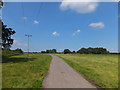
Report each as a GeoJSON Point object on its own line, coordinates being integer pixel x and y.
{"type": "Point", "coordinates": [100, 69]}
{"type": "Point", "coordinates": [22, 72]}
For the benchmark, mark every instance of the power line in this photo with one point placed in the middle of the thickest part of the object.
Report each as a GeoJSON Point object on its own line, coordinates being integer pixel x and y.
{"type": "Point", "coordinates": [39, 10]}
{"type": "Point", "coordinates": [23, 16]}
{"type": "Point", "coordinates": [22, 8]}
{"type": "Point", "coordinates": [23, 13]}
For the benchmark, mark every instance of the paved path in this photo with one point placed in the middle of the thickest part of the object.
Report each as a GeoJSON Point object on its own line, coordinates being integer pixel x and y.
{"type": "Point", "coordinates": [61, 75]}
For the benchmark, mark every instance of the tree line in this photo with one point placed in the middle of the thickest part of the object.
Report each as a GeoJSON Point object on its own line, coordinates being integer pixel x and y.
{"type": "Point", "coordinates": [50, 51]}
{"type": "Point", "coordinates": [9, 52]}
{"type": "Point", "coordinates": [89, 50]}
{"type": "Point", "coordinates": [93, 51]}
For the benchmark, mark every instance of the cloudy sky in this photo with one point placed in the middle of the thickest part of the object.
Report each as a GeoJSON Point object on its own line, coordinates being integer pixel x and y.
{"type": "Point", "coordinates": [62, 25]}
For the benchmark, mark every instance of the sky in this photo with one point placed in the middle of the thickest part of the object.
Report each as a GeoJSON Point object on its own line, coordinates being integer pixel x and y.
{"type": "Point", "coordinates": [63, 25]}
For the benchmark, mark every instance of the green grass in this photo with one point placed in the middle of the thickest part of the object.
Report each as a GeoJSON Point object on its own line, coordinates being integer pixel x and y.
{"type": "Point", "coordinates": [0, 75]}
{"type": "Point", "coordinates": [20, 72]}
{"type": "Point", "coordinates": [100, 69]}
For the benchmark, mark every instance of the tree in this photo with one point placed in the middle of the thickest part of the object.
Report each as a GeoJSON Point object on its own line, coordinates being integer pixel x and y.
{"type": "Point", "coordinates": [7, 52]}
{"type": "Point", "coordinates": [50, 51]}
{"type": "Point", "coordinates": [43, 51]}
{"type": "Point", "coordinates": [73, 52]}
{"type": "Point", "coordinates": [93, 51]}
{"type": "Point", "coordinates": [47, 51]}
{"type": "Point", "coordinates": [90, 50]}
{"type": "Point", "coordinates": [66, 51]}
{"type": "Point", "coordinates": [18, 51]}
{"type": "Point", "coordinates": [83, 51]}
{"type": "Point", "coordinates": [7, 41]}
{"type": "Point", "coordinates": [54, 51]}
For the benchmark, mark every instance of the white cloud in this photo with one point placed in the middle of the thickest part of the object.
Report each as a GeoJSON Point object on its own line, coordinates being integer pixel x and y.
{"type": "Point", "coordinates": [25, 18]}
{"type": "Point", "coordinates": [19, 44]}
{"type": "Point", "coordinates": [36, 22]}
{"type": "Point", "coordinates": [80, 7]}
{"type": "Point", "coordinates": [97, 25]}
{"type": "Point", "coordinates": [76, 32]}
{"type": "Point", "coordinates": [55, 34]}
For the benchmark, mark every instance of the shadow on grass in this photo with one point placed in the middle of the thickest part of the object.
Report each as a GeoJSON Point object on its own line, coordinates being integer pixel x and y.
{"type": "Point", "coordinates": [16, 60]}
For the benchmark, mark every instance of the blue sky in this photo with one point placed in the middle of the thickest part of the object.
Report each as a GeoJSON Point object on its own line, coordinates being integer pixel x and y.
{"type": "Point", "coordinates": [62, 25]}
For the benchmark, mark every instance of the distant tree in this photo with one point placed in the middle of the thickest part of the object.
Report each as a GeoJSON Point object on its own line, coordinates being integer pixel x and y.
{"type": "Point", "coordinates": [73, 52]}
{"type": "Point", "coordinates": [66, 51]}
{"type": "Point", "coordinates": [90, 50]}
{"type": "Point", "coordinates": [83, 51]}
{"type": "Point", "coordinates": [7, 52]}
{"type": "Point", "coordinates": [50, 51]}
{"type": "Point", "coordinates": [19, 51]}
{"type": "Point", "coordinates": [54, 51]}
{"type": "Point", "coordinates": [7, 41]}
{"type": "Point", "coordinates": [47, 51]}
{"type": "Point", "coordinates": [93, 51]}
{"type": "Point", "coordinates": [43, 51]}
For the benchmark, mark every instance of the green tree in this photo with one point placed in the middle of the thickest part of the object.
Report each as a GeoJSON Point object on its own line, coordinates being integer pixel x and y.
{"type": "Point", "coordinates": [18, 51]}
{"type": "Point", "coordinates": [43, 51]}
{"type": "Point", "coordinates": [66, 51]}
{"type": "Point", "coordinates": [93, 51]}
{"type": "Point", "coordinates": [47, 51]}
{"type": "Point", "coordinates": [83, 51]}
{"type": "Point", "coordinates": [54, 51]}
{"type": "Point", "coordinates": [7, 41]}
{"type": "Point", "coordinates": [51, 51]}
{"type": "Point", "coordinates": [73, 52]}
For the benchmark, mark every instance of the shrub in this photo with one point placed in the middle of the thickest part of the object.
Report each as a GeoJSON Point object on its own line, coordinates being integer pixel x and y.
{"type": "Point", "coordinates": [8, 52]}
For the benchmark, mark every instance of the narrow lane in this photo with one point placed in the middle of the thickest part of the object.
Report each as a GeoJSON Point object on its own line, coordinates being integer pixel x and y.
{"type": "Point", "coordinates": [61, 75]}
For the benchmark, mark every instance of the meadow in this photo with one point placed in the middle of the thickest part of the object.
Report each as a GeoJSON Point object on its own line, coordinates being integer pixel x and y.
{"type": "Point", "coordinates": [99, 69]}
{"type": "Point", "coordinates": [23, 72]}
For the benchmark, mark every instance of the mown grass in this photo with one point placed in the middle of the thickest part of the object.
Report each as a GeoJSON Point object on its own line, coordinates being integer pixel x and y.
{"type": "Point", "coordinates": [22, 72]}
{"type": "Point", "coordinates": [100, 69]}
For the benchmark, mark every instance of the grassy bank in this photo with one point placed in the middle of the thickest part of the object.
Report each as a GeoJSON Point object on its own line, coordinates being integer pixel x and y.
{"type": "Point", "coordinates": [20, 72]}
{"type": "Point", "coordinates": [101, 69]}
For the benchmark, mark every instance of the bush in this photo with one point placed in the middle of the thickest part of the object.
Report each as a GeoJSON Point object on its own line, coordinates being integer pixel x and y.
{"type": "Point", "coordinates": [8, 52]}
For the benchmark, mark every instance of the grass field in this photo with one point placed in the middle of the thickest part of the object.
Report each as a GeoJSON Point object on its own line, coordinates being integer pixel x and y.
{"type": "Point", "coordinates": [100, 69]}
{"type": "Point", "coordinates": [0, 75]}
{"type": "Point", "coordinates": [20, 72]}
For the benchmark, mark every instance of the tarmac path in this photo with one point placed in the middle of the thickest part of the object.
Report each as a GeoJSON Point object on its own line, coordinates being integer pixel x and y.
{"type": "Point", "coordinates": [61, 75]}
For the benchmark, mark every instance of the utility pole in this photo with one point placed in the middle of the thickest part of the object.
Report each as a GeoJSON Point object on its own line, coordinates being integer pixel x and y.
{"type": "Point", "coordinates": [28, 42]}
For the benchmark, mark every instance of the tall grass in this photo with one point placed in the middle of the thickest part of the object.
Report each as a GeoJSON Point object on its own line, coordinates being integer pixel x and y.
{"type": "Point", "coordinates": [100, 69]}
{"type": "Point", "coordinates": [23, 72]}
